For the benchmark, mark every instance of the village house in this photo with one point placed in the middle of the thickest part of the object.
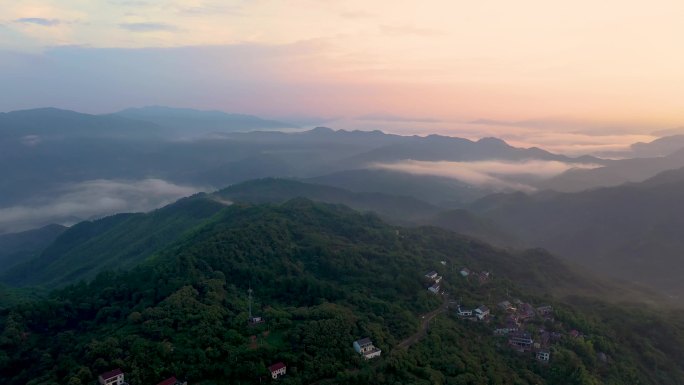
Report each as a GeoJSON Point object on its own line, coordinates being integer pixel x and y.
{"type": "Point", "coordinates": [114, 377]}
{"type": "Point", "coordinates": [484, 276]}
{"type": "Point", "coordinates": [277, 370]}
{"type": "Point", "coordinates": [482, 312]}
{"type": "Point", "coordinates": [434, 288]}
{"type": "Point", "coordinates": [521, 340]}
{"type": "Point", "coordinates": [543, 355]}
{"type": "Point", "coordinates": [502, 331]}
{"type": "Point", "coordinates": [172, 381]}
{"type": "Point", "coordinates": [366, 348]}
{"type": "Point", "coordinates": [464, 312]}
{"type": "Point", "coordinates": [465, 272]}
{"type": "Point", "coordinates": [510, 327]}
{"type": "Point", "coordinates": [431, 275]}
{"type": "Point", "coordinates": [443, 263]}
{"type": "Point", "coordinates": [525, 312]}
{"type": "Point", "coordinates": [505, 305]}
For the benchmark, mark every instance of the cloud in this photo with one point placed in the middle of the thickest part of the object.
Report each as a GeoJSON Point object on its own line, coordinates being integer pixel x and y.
{"type": "Point", "coordinates": [669, 131]}
{"type": "Point", "coordinates": [30, 140]}
{"type": "Point", "coordinates": [395, 118]}
{"type": "Point", "coordinates": [148, 27]}
{"type": "Point", "coordinates": [492, 173]}
{"type": "Point", "coordinates": [91, 199]}
{"type": "Point", "coordinates": [38, 21]}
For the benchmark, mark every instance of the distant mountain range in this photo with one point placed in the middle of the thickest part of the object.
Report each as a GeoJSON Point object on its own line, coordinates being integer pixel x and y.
{"type": "Point", "coordinates": [663, 146]}
{"type": "Point", "coordinates": [190, 122]}
{"type": "Point", "coordinates": [633, 231]}
{"type": "Point", "coordinates": [47, 151]}
{"type": "Point", "coordinates": [613, 173]}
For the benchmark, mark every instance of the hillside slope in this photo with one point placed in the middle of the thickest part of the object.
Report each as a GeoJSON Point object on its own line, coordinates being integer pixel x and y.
{"type": "Point", "coordinates": [16, 248]}
{"type": "Point", "coordinates": [323, 276]}
{"type": "Point", "coordinates": [271, 190]}
{"type": "Point", "coordinates": [117, 242]}
{"type": "Point", "coordinates": [633, 232]}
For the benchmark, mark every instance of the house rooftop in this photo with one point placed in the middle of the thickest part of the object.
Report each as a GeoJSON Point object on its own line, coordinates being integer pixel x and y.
{"type": "Point", "coordinates": [364, 342]}
{"type": "Point", "coordinates": [111, 374]}
{"type": "Point", "coordinates": [169, 381]}
{"type": "Point", "coordinates": [276, 366]}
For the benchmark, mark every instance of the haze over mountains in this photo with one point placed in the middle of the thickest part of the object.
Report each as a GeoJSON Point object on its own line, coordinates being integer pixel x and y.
{"type": "Point", "coordinates": [65, 167]}
{"type": "Point", "coordinates": [57, 160]}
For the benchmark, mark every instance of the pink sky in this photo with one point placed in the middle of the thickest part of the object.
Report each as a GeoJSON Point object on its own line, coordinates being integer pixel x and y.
{"type": "Point", "coordinates": [603, 69]}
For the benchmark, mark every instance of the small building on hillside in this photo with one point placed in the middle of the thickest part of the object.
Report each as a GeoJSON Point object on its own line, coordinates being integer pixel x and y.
{"type": "Point", "coordinates": [277, 370]}
{"type": "Point", "coordinates": [482, 312]}
{"type": "Point", "coordinates": [505, 305]}
{"type": "Point", "coordinates": [465, 272]}
{"type": "Point", "coordinates": [525, 311]}
{"type": "Point", "coordinates": [443, 263]}
{"type": "Point", "coordinates": [484, 276]}
{"type": "Point", "coordinates": [431, 275]}
{"type": "Point", "coordinates": [463, 312]}
{"type": "Point", "coordinates": [172, 381]}
{"type": "Point", "coordinates": [113, 377]}
{"type": "Point", "coordinates": [521, 340]}
{"type": "Point", "coordinates": [434, 288]}
{"type": "Point", "coordinates": [543, 355]}
{"type": "Point", "coordinates": [366, 348]}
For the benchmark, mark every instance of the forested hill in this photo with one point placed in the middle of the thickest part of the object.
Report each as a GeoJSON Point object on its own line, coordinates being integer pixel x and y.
{"type": "Point", "coordinates": [324, 276]}
{"type": "Point", "coordinates": [116, 242]}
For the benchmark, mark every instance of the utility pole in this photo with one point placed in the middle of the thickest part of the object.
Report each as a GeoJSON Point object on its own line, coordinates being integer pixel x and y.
{"type": "Point", "coordinates": [249, 295]}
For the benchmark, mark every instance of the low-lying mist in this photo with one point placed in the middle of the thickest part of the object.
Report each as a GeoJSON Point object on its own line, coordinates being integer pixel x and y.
{"type": "Point", "coordinates": [74, 202]}
{"type": "Point", "coordinates": [491, 173]}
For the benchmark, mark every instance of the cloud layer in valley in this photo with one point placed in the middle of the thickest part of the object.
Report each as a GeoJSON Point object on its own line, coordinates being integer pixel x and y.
{"type": "Point", "coordinates": [91, 199]}
{"type": "Point", "coordinates": [492, 173]}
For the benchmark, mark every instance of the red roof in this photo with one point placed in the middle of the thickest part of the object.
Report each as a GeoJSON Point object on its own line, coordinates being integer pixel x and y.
{"type": "Point", "coordinates": [169, 381]}
{"type": "Point", "coordinates": [276, 366]}
{"type": "Point", "coordinates": [107, 375]}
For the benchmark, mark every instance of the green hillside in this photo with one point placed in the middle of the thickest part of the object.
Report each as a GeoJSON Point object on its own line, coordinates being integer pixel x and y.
{"type": "Point", "coordinates": [324, 276]}
{"type": "Point", "coordinates": [117, 242]}
{"type": "Point", "coordinates": [20, 247]}
{"type": "Point", "coordinates": [274, 190]}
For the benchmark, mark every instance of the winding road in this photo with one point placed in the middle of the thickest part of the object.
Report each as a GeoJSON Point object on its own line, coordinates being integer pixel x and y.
{"type": "Point", "coordinates": [422, 330]}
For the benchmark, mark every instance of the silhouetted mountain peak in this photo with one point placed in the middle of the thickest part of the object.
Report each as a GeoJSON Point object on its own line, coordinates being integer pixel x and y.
{"type": "Point", "coordinates": [322, 130]}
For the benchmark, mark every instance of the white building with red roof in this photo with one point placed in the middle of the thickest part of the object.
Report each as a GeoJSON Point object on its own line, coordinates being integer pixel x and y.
{"type": "Point", "coordinates": [114, 377]}
{"type": "Point", "coordinates": [278, 369]}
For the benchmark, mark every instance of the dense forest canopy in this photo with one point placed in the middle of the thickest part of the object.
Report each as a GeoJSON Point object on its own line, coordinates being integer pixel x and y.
{"type": "Point", "coordinates": [322, 277]}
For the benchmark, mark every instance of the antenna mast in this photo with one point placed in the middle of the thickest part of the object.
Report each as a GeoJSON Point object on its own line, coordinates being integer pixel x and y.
{"type": "Point", "coordinates": [249, 292]}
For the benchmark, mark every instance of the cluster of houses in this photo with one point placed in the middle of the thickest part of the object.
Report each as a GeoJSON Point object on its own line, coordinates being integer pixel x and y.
{"type": "Point", "coordinates": [517, 315]}
{"type": "Point", "coordinates": [480, 313]}
{"type": "Point", "coordinates": [434, 280]}
{"type": "Point", "coordinates": [116, 376]}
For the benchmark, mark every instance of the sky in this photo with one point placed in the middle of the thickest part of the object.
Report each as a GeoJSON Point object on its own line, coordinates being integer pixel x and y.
{"type": "Point", "coordinates": [575, 77]}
